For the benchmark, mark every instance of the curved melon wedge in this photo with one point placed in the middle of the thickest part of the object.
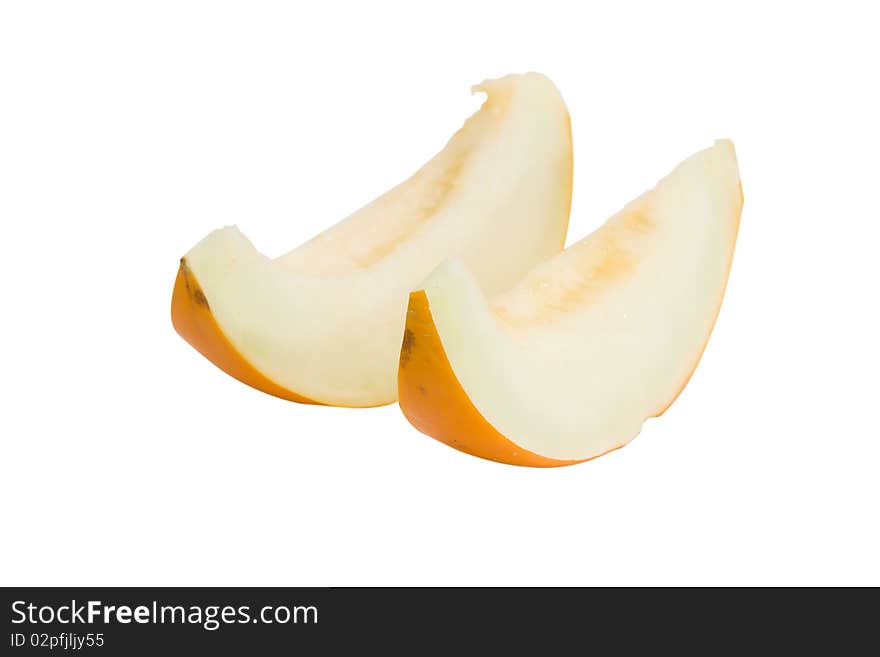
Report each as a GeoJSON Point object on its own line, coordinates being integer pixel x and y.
{"type": "Point", "coordinates": [568, 364]}
{"type": "Point", "coordinates": [322, 324]}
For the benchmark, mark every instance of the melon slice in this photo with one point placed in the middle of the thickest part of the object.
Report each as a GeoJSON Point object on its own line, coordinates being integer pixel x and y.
{"type": "Point", "coordinates": [567, 365]}
{"type": "Point", "coordinates": [323, 323]}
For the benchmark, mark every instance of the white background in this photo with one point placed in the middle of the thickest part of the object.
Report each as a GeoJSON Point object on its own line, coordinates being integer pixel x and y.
{"type": "Point", "coordinates": [130, 130]}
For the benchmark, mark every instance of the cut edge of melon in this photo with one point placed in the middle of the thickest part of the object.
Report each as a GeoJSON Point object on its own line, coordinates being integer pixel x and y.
{"type": "Point", "coordinates": [193, 320]}
{"type": "Point", "coordinates": [434, 401]}
{"type": "Point", "coordinates": [693, 369]}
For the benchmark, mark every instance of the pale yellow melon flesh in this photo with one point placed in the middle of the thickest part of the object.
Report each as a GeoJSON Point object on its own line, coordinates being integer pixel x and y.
{"type": "Point", "coordinates": [324, 322]}
{"type": "Point", "coordinates": [568, 364]}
